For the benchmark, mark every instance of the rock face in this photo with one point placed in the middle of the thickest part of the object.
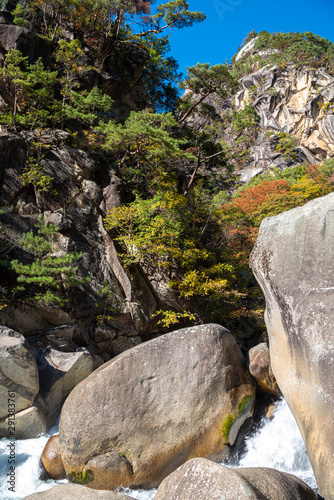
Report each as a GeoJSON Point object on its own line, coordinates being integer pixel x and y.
{"type": "Point", "coordinates": [293, 261]}
{"type": "Point", "coordinates": [200, 478]}
{"type": "Point", "coordinates": [288, 101]}
{"type": "Point", "coordinates": [260, 369]}
{"type": "Point", "coordinates": [51, 459]}
{"type": "Point", "coordinates": [75, 491]}
{"type": "Point", "coordinates": [296, 102]}
{"type": "Point", "coordinates": [83, 188]}
{"type": "Point", "coordinates": [144, 413]}
{"type": "Point", "coordinates": [29, 423]}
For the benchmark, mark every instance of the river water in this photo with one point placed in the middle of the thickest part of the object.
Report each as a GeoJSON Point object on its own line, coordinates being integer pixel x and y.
{"type": "Point", "coordinates": [276, 444]}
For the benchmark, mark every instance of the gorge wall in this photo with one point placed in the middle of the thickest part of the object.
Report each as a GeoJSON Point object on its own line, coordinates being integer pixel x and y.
{"type": "Point", "coordinates": [290, 121]}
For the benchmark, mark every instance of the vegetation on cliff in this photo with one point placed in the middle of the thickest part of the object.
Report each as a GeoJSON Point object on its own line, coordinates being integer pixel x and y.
{"type": "Point", "coordinates": [300, 49]}
{"type": "Point", "coordinates": [182, 210]}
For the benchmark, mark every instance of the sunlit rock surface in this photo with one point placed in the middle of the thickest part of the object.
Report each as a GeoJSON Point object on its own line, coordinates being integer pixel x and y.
{"type": "Point", "coordinates": [199, 478]}
{"type": "Point", "coordinates": [144, 413]}
{"type": "Point", "coordinates": [293, 261]}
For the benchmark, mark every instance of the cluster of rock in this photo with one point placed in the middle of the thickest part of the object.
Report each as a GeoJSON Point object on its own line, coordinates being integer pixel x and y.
{"type": "Point", "coordinates": [140, 416]}
{"type": "Point", "coordinates": [86, 189]}
{"type": "Point", "coordinates": [99, 56]}
{"type": "Point", "coordinates": [200, 478]}
{"type": "Point", "coordinates": [150, 411]}
{"type": "Point", "coordinates": [289, 100]}
{"type": "Point", "coordinates": [39, 383]}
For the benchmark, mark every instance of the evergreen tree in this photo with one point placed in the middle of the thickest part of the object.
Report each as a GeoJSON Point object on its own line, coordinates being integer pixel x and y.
{"type": "Point", "coordinates": [29, 90]}
{"type": "Point", "coordinates": [203, 80]}
{"type": "Point", "coordinates": [51, 273]}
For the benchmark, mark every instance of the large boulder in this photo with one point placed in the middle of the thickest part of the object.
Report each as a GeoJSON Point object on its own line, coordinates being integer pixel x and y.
{"type": "Point", "coordinates": [293, 260]}
{"type": "Point", "coordinates": [200, 478]}
{"type": "Point", "coordinates": [75, 491]}
{"type": "Point", "coordinates": [18, 374]}
{"type": "Point", "coordinates": [144, 413]}
{"type": "Point", "coordinates": [59, 373]}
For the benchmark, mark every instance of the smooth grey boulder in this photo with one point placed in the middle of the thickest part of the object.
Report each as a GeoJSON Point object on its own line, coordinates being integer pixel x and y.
{"type": "Point", "coordinates": [74, 492]}
{"type": "Point", "coordinates": [200, 479]}
{"type": "Point", "coordinates": [144, 413]}
{"type": "Point", "coordinates": [59, 373]}
{"type": "Point", "coordinates": [18, 373]}
{"type": "Point", "coordinates": [293, 260]}
{"type": "Point", "coordinates": [28, 423]}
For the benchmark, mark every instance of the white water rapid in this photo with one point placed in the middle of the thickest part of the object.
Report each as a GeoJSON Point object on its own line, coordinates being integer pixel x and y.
{"type": "Point", "coordinates": [27, 469]}
{"type": "Point", "coordinates": [277, 444]}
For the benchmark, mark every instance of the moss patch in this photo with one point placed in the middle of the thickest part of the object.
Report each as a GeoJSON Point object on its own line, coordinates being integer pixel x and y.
{"type": "Point", "coordinates": [226, 426]}
{"type": "Point", "coordinates": [230, 419]}
{"type": "Point", "coordinates": [81, 477]}
{"type": "Point", "coordinates": [244, 402]}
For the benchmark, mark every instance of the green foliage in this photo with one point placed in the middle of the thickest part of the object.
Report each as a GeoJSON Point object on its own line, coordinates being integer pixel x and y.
{"type": "Point", "coordinates": [160, 75]}
{"type": "Point", "coordinates": [166, 230]}
{"type": "Point", "coordinates": [244, 402]}
{"type": "Point", "coordinates": [107, 304]}
{"type": "Point", "coordinates": [230, 419]}
{"type": "Point", "coordinates": [149, 229]}
{"type": "Point", "coordinates": [204, 80]}
{"type": "Point", "coordinates": [19, 12]}
{"type": "Point", "coordinates": [51, 273]}
{"type": "Point", "coordinates": [169, 318]}
{"type": "Point", "coordinates": [327, 107]}
{"type": "Point", "coordinates": [85, 107]}
{"type": "Point", "coordinates": [246, 122]}
{"type": "Point", "coordinates": [33, 173]}
{"type": "Point", "coordinates": [144, 147]}
{"type": "Point", "coordinates": [31, 90]}
{"type": "Point", "coordinates": [287, 146]}
{"type": "Point", "coordinates": [86, 15]}
{"type": "Point", "coordinates": [298, 48]}
{"type": "Point", "coordinates": [175, 14]}
{"type": "Point", "coordinates": [113, 16]}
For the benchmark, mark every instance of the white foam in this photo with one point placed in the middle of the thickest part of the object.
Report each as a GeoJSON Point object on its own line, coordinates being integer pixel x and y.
{"type": "Point", "coordinates": [27, 467]}
{"type": "Point", "coordinates": [278, 444]}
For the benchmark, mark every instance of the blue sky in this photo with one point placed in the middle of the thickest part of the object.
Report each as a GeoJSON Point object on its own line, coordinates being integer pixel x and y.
{"type": "Point", "coordinates": [229, 21]}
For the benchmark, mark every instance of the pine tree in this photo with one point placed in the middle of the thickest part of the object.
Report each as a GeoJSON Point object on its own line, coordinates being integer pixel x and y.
{"type": "Point", "coordinates": [51, 273]}
{"type": "Point", "coordinates": [203, 80]}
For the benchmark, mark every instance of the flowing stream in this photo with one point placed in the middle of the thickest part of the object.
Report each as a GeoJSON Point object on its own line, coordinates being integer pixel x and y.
{"type": "Point", "coordinates": [27, 469]}
{"type": "Point", "coordinates": [276, 444]}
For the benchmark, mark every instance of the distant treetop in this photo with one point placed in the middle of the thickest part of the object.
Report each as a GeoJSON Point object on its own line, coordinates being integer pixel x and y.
{"type": "Point", "coordinates": [302, 49]}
